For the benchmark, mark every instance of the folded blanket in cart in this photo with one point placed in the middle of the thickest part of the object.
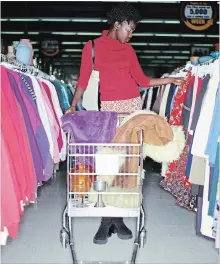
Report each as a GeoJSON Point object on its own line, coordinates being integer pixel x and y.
{"type": "Point", "coordinates": [90, 126]}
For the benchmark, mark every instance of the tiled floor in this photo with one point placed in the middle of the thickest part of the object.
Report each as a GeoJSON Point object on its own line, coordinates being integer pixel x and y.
{"type": "Point", "coordinates": [171, 236]}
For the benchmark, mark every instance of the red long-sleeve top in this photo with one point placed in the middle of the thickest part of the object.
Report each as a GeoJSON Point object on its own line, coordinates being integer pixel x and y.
{"type": "Point", "coordinates": [119, 70]}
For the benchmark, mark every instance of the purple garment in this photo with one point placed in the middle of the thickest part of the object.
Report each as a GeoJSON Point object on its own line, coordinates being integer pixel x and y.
{"type": "Point", "coordinates": [40, 133]}
{"type": "Point", "coordinates": [89, 127]}
{"type": "Point", "coordinates": [38, 165]}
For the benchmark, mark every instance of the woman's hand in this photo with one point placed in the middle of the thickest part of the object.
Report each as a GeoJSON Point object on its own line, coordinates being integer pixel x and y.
{"type": "Point", "coordinates": [177, 81]}
{"type": "Point", "coordinates": [71, 110]}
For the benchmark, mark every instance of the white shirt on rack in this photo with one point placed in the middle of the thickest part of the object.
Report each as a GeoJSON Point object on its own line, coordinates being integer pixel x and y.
{"type": "Point", "coordinates": [203, 126]}
{"type": "Point", "coordinates": [59, 114]}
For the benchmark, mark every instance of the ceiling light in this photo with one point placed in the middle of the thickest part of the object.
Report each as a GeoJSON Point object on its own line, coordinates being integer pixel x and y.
{"type": "Point", "coordinates": [181, 58]}
{"type": "Point", "coordinates": [166, 35]}
{"type": "Point", "coordinates": [88, 20]}
{"type": "Point", "coordinates": [203, 45]}
{"type": "Point", "coordinates": [77, 33]}
{"type": "Point", "coordinates": [185, 52]}
{"type": "Point", "coordinates": [158, 44]}
{"type": "Point", "coordinates": [55, 19]}
{"type": "Point", "coordinates": [161, 2]}
{"type": "Point", "coordinates": [172, 22]}
{"type": "Point", "coordinates": [169, 51]}
{"type": "Point", "coordinates": [138, 44]}
{"type": "Point", "coordinates": [180, 44]}
{"type": "Point", "coordinates": [164, 57]}
{"type": "Point", "coordinates": [23, 19]}
{"type": "Point", "coordinates": [143, 34]}
{"type": "Point", "coordinates": [72, 43]}
{"type": "Point", "coordinates": [88, 33]}
{"type": "Point", "coordinates": [33, 33]}
{"type": "Point", "coordinates": [147, 57]}
{"type": "Point", "coordinates": [4, 19]}
{"type": "Point", "coordinates": [151, 51]}
{"type": "Point", "coordinates": [34, 42]}
{"type": "Point", "coordinates": [151, 21]}
{"type": "Point", "coordinates": [69, 50]}
{"type": "Point", "coordinates": [158, 61]}
{"type": "Point", "coordinates": [212, 36]}
{"type": "Point", "coordinates": [192, 35]}
{"type": "Point", "coordinates": [12, 32]}
{"type": "Point", "coordinates": [174, 61]}
{"type": "Point", "coordinates": [160, 21]}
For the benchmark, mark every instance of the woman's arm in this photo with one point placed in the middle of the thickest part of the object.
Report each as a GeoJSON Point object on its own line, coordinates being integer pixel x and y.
{"type": "Point", "coordinates": [164, 81]}
{"type": "Point", "coordinates": [85, 72]}
{"type": "Point", "coordinates": [145, 81]}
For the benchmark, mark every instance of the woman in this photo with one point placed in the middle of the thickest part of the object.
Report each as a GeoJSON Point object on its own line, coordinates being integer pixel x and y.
{"type": "Point", "coordinates": [120, 78]}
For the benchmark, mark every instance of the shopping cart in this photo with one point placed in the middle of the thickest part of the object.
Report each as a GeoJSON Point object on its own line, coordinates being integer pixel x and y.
{"type": "Point", "coordinates": [89, 194]}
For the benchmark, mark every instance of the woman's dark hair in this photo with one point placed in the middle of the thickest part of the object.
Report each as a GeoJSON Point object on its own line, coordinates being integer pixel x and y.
{"type": "Point", "coordinates": [123, 12]}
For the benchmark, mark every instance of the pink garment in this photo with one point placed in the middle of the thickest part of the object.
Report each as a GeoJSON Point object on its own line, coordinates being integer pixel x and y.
{"type": "Point", "coordinates": [10, 215]}
{"type": "Point", "coordinates": [47, 90]}
{"type": "Point", "coordinates": [53, 123]}
{"type": "Point", "coordinates": [19, 160]}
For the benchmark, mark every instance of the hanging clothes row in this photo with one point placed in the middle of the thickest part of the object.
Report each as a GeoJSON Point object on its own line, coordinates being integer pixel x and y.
{"type": "Point", "coordinates": [194, 179]}
{"type": "Point", "coordinates": [31, 136]}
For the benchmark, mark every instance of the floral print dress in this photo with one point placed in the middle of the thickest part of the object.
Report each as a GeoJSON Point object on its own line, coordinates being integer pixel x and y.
{"type": "Point", "coordinates": [175, 180]}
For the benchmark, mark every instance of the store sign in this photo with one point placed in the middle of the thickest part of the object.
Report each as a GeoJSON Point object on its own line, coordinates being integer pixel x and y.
{"type": "Point", "coordinates": [198, 15]}
{"type": "Point", "coordinates": [50, 47]}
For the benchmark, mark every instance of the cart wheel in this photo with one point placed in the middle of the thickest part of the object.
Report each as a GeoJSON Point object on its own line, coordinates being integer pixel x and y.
{"type": "Point", "coordinates": [64, 238]}
{"type": "Point", "coordinates": [143, 236]}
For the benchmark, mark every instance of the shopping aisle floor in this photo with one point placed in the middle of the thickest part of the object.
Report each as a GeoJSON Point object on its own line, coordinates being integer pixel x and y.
{"type": "Point", "coordinates": [171, 236]}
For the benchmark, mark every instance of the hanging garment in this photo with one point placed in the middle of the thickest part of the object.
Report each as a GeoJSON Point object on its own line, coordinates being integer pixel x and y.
{"type": "Point", "coordinates": [164, 100]}
{"type": "Point", "coordinates": [64, 94]}
{"type": "Point", "coordinates": [43, 114]}
{"type": "Point", "coordinates": [214, 132]}
{"type": "Point", "coordinates": [40, 133]}
{"type": "Point", "coordinates": [214, 185]}
{"type": "Point", "coordinates": [199, 101]}
{"type": "Point", "coordinates": [176, 183]}
{"type": "Point", "coordinates": [188, 103]}
{"type": "Point", "coordinates": [196, 91]}
{"type": "Point", "coordinates": [36, 156]}
{"type": "Point", "coordinates": [205, 118]}
{"type": "Point", "coordinates": [47, 90]}
{"type": "Point", "coordinates": [59, 114]}
{"type": "Point", "coordinates": [16, 140]}
{"type": "Point", "coordinates": [169, 100]}
{"type": "Point", "coordinates": [207, 221]}
{"type": "Point", "coordinates": [175, 180]}
{"type": "Point", "coordinates": [10, 217]}
{"type": "Point", "coordinates": [54, 127]}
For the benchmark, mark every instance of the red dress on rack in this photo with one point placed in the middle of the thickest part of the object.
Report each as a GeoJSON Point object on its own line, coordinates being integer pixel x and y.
{"type": "Point", "coordinates": [175, 180]}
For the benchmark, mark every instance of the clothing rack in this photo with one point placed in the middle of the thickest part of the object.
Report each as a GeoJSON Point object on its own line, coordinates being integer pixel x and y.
{"type": "Point", "coordinates": [25, 68]}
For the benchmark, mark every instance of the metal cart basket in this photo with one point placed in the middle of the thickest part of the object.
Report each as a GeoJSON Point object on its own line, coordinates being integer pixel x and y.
{"type": "Point", "coordinates": [101, 183]}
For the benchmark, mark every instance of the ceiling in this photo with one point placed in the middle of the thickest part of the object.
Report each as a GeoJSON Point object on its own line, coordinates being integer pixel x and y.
{"type": "Point", "coordinates": [161, 40]}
